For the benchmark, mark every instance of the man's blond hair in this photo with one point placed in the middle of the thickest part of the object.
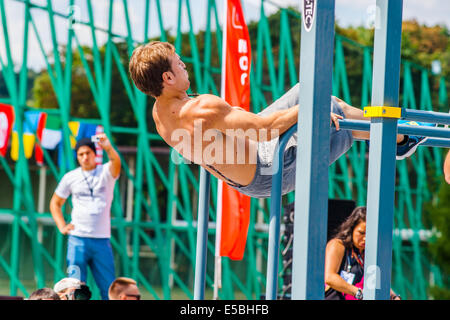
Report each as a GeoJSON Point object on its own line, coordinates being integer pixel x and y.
{"type": "Point", "coordinates": [118, 285]}
{"type": "Point", "coordinates": [147, 65]}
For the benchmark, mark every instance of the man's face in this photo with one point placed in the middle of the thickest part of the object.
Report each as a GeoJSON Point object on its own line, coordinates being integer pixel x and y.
{"type": "Point", "coordinates": [67, 294]}
{"type": "Point", "coordinates": [86, 158]}
{"type": "Point", "coordinates": [131, 292]}
{"type": "Point", "coordinates": [180, 78]}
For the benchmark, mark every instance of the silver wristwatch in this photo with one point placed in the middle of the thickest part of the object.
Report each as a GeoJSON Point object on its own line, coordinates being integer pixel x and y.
{"type": "Point", "coordinates": [359, 294]}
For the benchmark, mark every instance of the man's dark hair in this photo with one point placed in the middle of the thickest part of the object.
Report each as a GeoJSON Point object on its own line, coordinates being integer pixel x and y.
{"type": "Point", "coordinates": [85, 142]}
{"type": "Point", "coordinates": [147, 65]}
{"type": "Point", "coordinates": [44, 293]}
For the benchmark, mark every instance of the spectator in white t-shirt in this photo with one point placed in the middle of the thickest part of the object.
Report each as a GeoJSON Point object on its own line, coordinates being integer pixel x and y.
{"type": "Point", "coordinates": [89, 230]}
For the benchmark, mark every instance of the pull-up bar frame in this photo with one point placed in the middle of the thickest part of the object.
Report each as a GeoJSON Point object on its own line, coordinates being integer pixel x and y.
{"type": "Point", "coordinates": [316, 62]}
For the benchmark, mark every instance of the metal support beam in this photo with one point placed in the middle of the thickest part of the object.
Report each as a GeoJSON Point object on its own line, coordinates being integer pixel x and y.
{"type": "Point", "coordinates": [383, 131]}
{"type": "Point", "coordinates": [275, 215]}
{"type": "Point", "coordinates": [202, 235]}
{"type": "Point", "coordinates": [311, 198]}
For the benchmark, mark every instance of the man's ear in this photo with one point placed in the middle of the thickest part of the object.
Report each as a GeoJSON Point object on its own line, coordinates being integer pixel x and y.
{"type": "Point", "coordinates": [167, 76]}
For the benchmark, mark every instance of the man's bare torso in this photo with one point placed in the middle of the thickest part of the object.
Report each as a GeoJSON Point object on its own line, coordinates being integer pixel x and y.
{"type": "Point", "coordinates": [178, 124]}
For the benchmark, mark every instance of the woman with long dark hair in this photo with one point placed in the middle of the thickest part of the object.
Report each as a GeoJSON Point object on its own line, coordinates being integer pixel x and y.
{"type": "Point", "coordinates": [344, 259]}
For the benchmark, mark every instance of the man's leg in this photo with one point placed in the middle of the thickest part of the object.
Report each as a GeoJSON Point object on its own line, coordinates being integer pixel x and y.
{"type": "Point", "coordinates": [102, 265]}
{"type": "Point", "coordinates": [340, 141]}
{"type": "Point", "coordinates": [76, 258]}
{"type": "Point", "coordinates": [291, 98]}
{"type": "Point", "coordinates": [288, 100]}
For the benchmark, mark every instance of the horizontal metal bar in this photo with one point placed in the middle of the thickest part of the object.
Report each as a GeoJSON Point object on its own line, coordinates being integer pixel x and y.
{"type": "Point", "coordinates": [423, 131]}
{"type": "Point", "coordinates": [437, 142]}
{"type": "Point", "coordinates": [426, 116]}
{"type": "Point", "coordinates": [359, 125]}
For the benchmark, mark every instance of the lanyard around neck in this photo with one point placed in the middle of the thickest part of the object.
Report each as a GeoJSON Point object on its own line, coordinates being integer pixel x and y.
{"type": "Point", "coordinates": [91, 188]}
{"type": "Point", "coordinates": [358, 259]}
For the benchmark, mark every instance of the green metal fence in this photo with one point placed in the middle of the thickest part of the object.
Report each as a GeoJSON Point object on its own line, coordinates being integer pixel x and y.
{"type": "Point", "coordinates": [154, 207]}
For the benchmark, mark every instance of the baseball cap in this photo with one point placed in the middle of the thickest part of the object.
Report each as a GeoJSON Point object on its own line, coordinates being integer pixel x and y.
{"type": "Point", "coordinates": [66, 283]}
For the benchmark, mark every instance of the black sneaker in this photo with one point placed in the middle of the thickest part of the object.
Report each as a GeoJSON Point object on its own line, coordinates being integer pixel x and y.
{"type": "Point", "coordinates": [407, 149]}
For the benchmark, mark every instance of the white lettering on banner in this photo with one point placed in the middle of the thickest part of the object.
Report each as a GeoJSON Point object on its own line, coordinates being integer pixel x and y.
{"type": "Point", "coordinates": [243, 77]}
{"type": "Point", "coordinates": [243, 60]}
{"type": "Point", "coordinates": [243, 63]}
{"type": "Point", "coordinates": [242, 46]}
{"type": "Point", "coordinates": [3, 129]}
{"type": "Point", "coordinates": [235, 20]}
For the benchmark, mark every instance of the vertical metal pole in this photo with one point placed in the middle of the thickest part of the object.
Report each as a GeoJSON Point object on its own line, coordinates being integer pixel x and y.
{"type": "Point", "coordinates": [41, 200]}
{"type": "Point", "coordinates": [202, 235]}
{"type": "Point", "coordinates": [273, 251]}
{"type": "Point", "coordinates": [381, 177]}
{"type": "Point", "coordinates": [173, 214]}
{"type": "Point", "coordinates": [311, 195]}
{"type": "Point", "coordinates": [274, 227]}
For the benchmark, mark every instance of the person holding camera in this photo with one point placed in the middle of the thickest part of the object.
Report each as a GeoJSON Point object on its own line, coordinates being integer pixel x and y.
{"type": "Point", "coordinates": [89, 231]}
{"type": "Point", "coordinates": [72, 289]}
{"type": "Point", "coordinates": [344, 260]}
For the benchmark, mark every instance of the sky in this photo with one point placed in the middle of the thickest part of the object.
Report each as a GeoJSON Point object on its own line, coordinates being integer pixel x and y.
{"type": "Point", "coordinates": [348, 13]}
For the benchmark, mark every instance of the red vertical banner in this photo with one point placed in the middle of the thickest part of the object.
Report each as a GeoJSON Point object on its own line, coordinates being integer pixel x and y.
{"type": "Point", "coordinates": [233, 208]}
{"type": "Point", "coordinates": [6, 123]}
{"type": "Point", "coordinates": [237, 55]}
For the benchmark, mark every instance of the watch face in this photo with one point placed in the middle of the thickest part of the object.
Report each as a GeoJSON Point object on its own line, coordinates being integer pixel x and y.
{"type": "Point", "coordinates": [359, 295]}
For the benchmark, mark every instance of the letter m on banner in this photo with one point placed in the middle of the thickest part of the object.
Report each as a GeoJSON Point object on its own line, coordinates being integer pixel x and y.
{"type": "Point", "coordinates": [233, 208]}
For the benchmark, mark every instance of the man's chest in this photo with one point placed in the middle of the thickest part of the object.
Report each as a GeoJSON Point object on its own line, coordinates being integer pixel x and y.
{"type": "Point", "coordinates": [88, 185]}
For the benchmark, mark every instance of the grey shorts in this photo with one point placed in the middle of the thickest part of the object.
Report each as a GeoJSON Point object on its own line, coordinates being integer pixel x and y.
{"type": "Point", "coordinates": [261, 185]}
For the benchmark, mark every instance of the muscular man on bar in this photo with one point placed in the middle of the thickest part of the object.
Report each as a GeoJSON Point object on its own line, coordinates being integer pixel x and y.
{"type": "Point", "coordinates": [232, 144]}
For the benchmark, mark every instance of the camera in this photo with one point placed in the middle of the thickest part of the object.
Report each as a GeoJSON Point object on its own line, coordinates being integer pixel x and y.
{"type": "Point", "coordinates": [82, 293]}
{"type": "Point", "coordinates": [95, 138]}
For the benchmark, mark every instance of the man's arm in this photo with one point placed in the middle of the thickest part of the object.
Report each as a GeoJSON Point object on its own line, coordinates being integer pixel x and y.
{"type": "Point", "coordinates": [112, 155]}
{"type": "Point", "coordinates": [217, 114]}
{"type": "Point", "coordinates": [447, 168]}
{"type": "Point", "coordinates": [56, 204]}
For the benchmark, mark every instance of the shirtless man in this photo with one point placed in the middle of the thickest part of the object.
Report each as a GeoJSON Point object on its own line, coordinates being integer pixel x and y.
{"type": "Point", "coordinates": [447, 168]}
{"type": "Point", "coordinates": [236, 146]}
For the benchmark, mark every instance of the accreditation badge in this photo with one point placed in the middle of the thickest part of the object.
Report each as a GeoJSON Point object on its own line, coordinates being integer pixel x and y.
{"type": "Point", "coordinates": [347, 276]}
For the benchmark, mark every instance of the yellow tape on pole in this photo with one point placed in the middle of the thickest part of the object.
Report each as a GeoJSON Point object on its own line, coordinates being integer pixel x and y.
{"type": "Point", "coordinates": [383, 112]}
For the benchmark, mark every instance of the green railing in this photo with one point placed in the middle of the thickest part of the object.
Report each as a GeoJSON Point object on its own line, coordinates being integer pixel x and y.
{"type": "Point", "coordinates": [155, 200]}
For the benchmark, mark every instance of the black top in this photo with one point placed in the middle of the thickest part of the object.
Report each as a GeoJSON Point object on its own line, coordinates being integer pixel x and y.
{"type": "Point", "coordinates": [351, 270]}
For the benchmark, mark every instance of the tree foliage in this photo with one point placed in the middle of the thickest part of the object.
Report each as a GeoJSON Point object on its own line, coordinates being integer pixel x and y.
{"type": "Point", "coordinates": [439, 214]}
